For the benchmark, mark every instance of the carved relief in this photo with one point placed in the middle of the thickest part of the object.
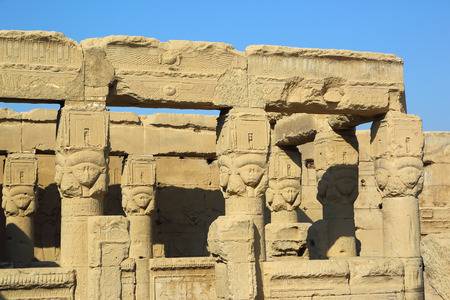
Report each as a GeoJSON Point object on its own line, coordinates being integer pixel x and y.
{"type": "Point", "coordinates": [243, 175]}
{"type": "Point", "coordinates": [81, 159]}
{"type": "Point", "coordinates": [400, 177]}
{"type": "Point", "coordinates": [284, 191]}
{"type": "Point", "coordinates": [81, 174]}
{"type": "Point", "coordinates": [242, 146]}
{"type": "Point", "coordinates": [19, 190]}
{"type": "Point", "coordinates": [138, 180]}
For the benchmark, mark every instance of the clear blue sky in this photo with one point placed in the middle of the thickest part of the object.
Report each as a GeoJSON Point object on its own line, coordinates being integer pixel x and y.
{"type": "Point", "coordinates": [417, 31]}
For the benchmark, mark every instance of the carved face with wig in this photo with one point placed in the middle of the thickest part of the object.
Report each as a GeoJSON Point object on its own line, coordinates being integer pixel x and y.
{"type": "Point", "coordinates": [19, 200]}
{"type": "Point", "coordinates": [338, 184]}
{"type": "Point", "coordinates": [242, 174]}
{"type": "Point", "coordinates": [81, 174]}
{"type": "Point", "coordinates": [283, 194]}
{"type": "Point", "coordinates": [138, 200]}
{"type": "Point", "coordinates": [400, 177]}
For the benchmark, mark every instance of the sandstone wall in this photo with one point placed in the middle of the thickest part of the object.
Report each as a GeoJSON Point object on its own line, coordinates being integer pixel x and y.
{"type": "Point", "coordinates": [188, 195]}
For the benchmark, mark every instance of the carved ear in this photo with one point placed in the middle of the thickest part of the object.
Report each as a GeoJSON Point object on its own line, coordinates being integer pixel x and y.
{"type": "Point", "coordinates": [261, 187]}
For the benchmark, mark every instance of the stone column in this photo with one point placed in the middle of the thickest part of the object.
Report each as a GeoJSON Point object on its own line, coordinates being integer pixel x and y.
{"type": "Point", "coordinates": [336, 161]}
{"type": "Point", "coordinates": [19, 205]}
{"type": "Point", "coordinates": [285, 236]}
{"type": "Point", "coordinates": [243, 142]}
{"type": "Point", "coordinates": [397, 147]}
{"type": "Point", "coordinates": [138, 202]}
{"type": "Point", "coordinates": [82, 150]}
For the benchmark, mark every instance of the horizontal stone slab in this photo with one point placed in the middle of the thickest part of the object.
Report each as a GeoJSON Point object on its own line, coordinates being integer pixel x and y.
{"type": "Point", "coordinates": [145, 72]}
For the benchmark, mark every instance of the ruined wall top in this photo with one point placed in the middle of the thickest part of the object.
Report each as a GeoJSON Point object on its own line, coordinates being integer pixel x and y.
{"type": "Point", "coordinates": [138, 71]}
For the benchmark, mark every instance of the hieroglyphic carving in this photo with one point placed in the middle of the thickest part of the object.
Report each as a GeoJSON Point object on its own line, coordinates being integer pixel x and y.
{"type": "Point", "coordinates": [40, 65]}
{"type": "Point", "coordinates": [138, 180]}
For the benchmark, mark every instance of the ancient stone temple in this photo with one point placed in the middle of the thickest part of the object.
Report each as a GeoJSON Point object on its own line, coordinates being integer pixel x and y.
{"type": "Point", "coordinates": [280, 197]}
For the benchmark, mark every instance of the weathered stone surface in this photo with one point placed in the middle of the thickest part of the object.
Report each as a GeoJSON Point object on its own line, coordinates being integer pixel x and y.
{"type": "Point", "coordinates": [129, 70]}
{"type": "Point", "coordinates": [295, 130]}
{"type": "Point", "coordinates": [435, 249]}
{"type": "Point", "coordinates": [40, 65]}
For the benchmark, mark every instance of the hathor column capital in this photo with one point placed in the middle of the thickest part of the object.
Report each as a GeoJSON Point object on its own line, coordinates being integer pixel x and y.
{"type": "Point", "coordinates": [397, 147]}
{"type": "Point", "coordinates": [19, 204]}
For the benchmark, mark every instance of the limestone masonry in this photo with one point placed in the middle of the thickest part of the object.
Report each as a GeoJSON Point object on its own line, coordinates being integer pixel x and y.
{"type": "Point", "coordinates": [280, 197]}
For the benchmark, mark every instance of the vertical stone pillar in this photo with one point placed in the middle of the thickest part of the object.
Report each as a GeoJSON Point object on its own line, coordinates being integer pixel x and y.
{"type": "Point", "coordinates": [108, 246]}
{"type": "Point", "coordinates": [243, 143]}
{"type": "Point", "coordinates": [138, 202]}
{"type": "Point", "coordinates": [284, 235]}
{"type": "Point", "coordinates": [397, 147]}
{"type": "Point", "coordinates": [19, 205]}
{"type": "Point", "coordinates": [336, 161]}
{"type": "Point", "coordinates": [82, 150]}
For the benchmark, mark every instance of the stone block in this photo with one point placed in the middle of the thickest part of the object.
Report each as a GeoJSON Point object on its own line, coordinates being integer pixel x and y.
{"type": "Point", "coordinates": [330, 80]}
{"type": "Point", "coordinates": [370, 242]}
{"type": "Point", "coordinates": [186, 142]}
{"type": "Point", "coordinates": [435, 249]}
{"type": "Point", "coordinates": [190, 172]}
{"type": "Point", "coordinates": [182, 278]}
{"type": "Point", "coordinates": [58, 59]}
{"type": "Point", "coordinates": [182, 121]}
{"type": "Point", "coordinates": [296, 129]}
{"type": "Point", "coordinates": [376, 276]}
{"type": "Point", "coordinates": [398, 135]}
{"type": "Point", "coordinates": [231, 238]}
{"type": "Point", "coordinates": [38, 136]}
{"type": "Point", "coordinates": [108, 241]}
{"type": "Point", "coordinates": [127, 138]}
{"type": "Point", "coordinates": [11, 137]}
{"type": "Point", "coordinates": [295, 278]}
{"type": "Point", "coordinates": [437, 147]}
{"type": "Point", "coordinates": [286, 239]}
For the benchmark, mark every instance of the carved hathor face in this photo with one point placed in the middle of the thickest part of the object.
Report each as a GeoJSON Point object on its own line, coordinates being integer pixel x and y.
{"type": "Point", "coordinates": [283, 194]}
{"type": "Point", "coordinates": [400, 177]}
{"type": "Point", "coordinates": [19, 200]}
{"type": "Point", "coordinates": [80, 171]}
{"type": "Point", "coordinates": [338, 184]}
{"type": "Point", "coordinates": [240, 172]}
{"type": "Point", "coordinates": [138, 200]}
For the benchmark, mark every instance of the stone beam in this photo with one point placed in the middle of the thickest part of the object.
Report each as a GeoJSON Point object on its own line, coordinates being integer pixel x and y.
{"type": "Point", "coordinates": [294, 130]}
{"type": "Point", "coordinates": [140, 71]}
{"type": "Point", "coordinates": [159, 134]}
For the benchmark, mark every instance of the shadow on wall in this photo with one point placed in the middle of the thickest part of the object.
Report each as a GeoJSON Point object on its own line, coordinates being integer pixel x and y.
{"type": "Point", "coordinates": [3, 254]}
{"type": "Point", "coordinates": [183, 217]}
{"type": "Point", "coordinates": [47, 223]}
{"type": "Point", "coordinates": [334, 235]}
